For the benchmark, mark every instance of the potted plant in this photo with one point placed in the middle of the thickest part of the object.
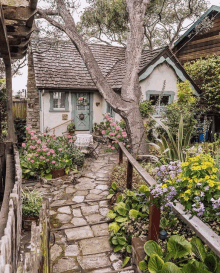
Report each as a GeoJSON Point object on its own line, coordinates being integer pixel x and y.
{"type": "Point", "coordinates": [71, 128]}
{"type": "Point", "coordinates": [31, 205]}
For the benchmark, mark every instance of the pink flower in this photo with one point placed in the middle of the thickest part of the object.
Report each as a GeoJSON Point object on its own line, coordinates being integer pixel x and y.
{"type": "Point", "coordinates": [41, 157]}
{"type": "Point", "coordinates": [53, 162]}
{"type": "Point", "coordinates": [69, 136]}
{"type": "Point", "coordinates": [60, 149]}
{"type": "Point", "coordinates": [128, 145]}
{"type": "Point", "coordinates": [118, 128]}
{"type": "Point", "coordinates": [113, 124]}
{"type": "Point", "coordinates": [28, 159]}
{"type": "Point", "coordinates": [52, 151]}
{"type": "Point", "coordinates": [47, 160]}
{"type": "Point", "coordinates": [32, 137]}
{"type": "Point", "coordinates": [39, 141]}
{"type": "Point", "coordinates": [118, 136]}
{"type": "Point", "coordinates": [116, 141]}
{"type": "Point", "coordinates": [103, 132]}
{"type": "Point", "coordinates": [32, 134]}
{"type": "Point", "coordinates": [48, 140]}
{"type": "Point", "coordinates": [123, 143]}
{"type": "Point", "coordinates": [71, 141]}
{"type": "Point", "coordinates": [45, 134]}
{"type": "Point", "coordinates": [38, 150]}
{"type": "Point", "coordinates": [54, 155]}
{"type": "Point", "coordinates": [23, 145]}
{"type": "Point", "coordinates": [54, 138]}
{"type": "Point", "coordinates": [106, 115]}
{"type": "Point", "coordinates": [113, 148]}
{"type": "Point", "coordinates": [112, 134]}
{"type": "Point", "coordinates": [48, 153]}
{"type": "Point", "coordinates": [56, 164]}
{"type": "Point", "coordinates": [32, 161]}
{"type": "Point", "coordinates": [33, 147]}
{"type": "Point", "coordinates": [109, 146]}
{"type": "Point", "coordinates": [36, 155]}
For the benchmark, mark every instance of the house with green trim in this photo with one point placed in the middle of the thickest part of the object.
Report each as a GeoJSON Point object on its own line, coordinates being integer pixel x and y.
{"type": "Point", "coordinates": [60, 88]}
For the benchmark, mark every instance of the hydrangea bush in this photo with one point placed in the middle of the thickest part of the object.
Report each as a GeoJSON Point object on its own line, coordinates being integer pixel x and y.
{"type": "Point", "coordinates": [41, 154]}
{"type": "Point", "coordinates": [193, 183]}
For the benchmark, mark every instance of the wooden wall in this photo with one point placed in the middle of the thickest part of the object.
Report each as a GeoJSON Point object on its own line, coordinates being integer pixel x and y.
{"type": "Point", "coordinates": [202, 45]}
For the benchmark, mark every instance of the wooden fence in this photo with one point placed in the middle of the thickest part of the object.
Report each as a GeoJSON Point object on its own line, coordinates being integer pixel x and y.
{"type": "Point", "coordinates": [19, 108]}
{"type": "Point", "coordinates": [206, 234]}
{"type": "Point", "coordinates": [2, 168]}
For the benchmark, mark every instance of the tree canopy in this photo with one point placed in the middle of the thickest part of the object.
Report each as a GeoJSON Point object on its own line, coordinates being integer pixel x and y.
{"type": "Point", "coordinates": [164, 21]}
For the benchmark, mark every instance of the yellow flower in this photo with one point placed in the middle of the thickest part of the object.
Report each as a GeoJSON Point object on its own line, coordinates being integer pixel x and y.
{"type": "Point", "coordinates": [188, 191]}
{"type": "Point", "coordinates": [211, 184]}
{"type": "Point", "coordinates": [164, 186]}
{"type": "Point", "coordinates": [218, 187]}
{"type": "Point", "coordinates": [189, 185]}
{"type": "Point", "coordinates": [186, 198]}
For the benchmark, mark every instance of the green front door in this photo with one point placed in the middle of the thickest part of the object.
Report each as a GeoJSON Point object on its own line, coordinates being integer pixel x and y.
{"type": "Point", "coordinates": [81, 108]}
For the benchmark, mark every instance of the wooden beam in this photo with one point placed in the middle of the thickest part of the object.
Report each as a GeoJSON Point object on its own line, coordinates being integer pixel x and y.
{"type": "Point", "coordinates": [4, 49]}
{"type": "Point", "coordinates": [17, 13]}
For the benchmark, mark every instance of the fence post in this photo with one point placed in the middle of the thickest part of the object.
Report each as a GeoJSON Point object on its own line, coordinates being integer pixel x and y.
{"type": "Point", "coordinates": [2, 167]}
{"type": "Point", "coordinates": [154, 222]}
{"type": "Point", "coordinates": [120, 156]}
{"type": "Point", "coordinates": [129, 175]}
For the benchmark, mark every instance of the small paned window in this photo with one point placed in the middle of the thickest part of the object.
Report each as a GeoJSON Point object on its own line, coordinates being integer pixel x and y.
{"type": "Point", "coordinates": [59, 101]}
{"type": "Point", "coordinates": [110, 110]}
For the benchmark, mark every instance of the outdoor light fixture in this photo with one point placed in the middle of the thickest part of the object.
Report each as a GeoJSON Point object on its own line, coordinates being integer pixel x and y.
{"type": "Point", "coordinates": [163, 235]}
{"type": "Point", "coordinates": [97, 103]}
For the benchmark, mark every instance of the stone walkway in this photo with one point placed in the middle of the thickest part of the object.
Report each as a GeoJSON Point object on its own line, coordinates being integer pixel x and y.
{"type": "Point", "coordinates": [79, 224]}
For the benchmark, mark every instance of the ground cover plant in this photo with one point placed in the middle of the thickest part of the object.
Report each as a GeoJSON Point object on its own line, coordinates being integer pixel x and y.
{"type": "Point", "coordinates": [42, 153]}
{"type": "Point", "coordinates": [31, 203]}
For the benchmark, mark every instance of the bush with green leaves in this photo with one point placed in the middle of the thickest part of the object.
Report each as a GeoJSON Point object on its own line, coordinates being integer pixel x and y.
{"type": "Point", "coordinates": [179, 256]}
{"type": "Point", "coordinates": [31, 203]}
{"type": "Point", "coordinates": [130, 214]}
{"type": "Point", "coordinates": [146, 109]}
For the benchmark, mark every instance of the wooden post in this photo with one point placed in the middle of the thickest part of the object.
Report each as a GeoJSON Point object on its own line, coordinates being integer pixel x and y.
{"type": "Point", "coordinates": [2, 168]}
{"type": "Point", "coordinates": [154, 222]}
{"type": "Point", "coordinates": [120, 156]}
{"type": "Point", "coordinates": [129, 175]}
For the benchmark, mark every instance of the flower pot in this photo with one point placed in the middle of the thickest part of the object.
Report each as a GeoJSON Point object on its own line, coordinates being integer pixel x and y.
{"type": "Point", "coordinates": [58, 173]}
{"type": "Point", "coordinates": [27, 221]}
{"type": "Point", "coordinates": [71, 133]}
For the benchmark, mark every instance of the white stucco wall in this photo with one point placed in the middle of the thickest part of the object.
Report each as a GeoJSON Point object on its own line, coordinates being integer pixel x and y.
{"type": "Point", "coordinates": [153, 82]}
{"type": "Point", "coordinates": [156, 80]}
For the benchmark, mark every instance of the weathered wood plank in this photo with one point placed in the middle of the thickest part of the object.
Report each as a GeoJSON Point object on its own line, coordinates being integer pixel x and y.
{"type": "Point", "coordinates": [129, 175]}
{"type": "Point", "coordinates": [4, 49]}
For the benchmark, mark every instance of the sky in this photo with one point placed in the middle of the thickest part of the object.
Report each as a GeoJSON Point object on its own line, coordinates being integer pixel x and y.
{"type": "Point", "coordinates": [20, 82]}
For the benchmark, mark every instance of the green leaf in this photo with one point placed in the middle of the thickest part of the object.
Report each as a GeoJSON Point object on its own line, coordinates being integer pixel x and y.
{"type": "Point", "coordinates": [114, 186]}
{"type": "Point", "coordinates": [133, 213]}
{"type": "Point", "coordinates": [114, 240]}
{"type": "Point", "coordinates": [121, 208]}
{"type": "Point", "coordinates": [195, 267]}
{"type": "Point", "coordinates": [178, 246]}
{"type": "Point", "coordinates": [48, 176]}
{"type": "Point", "coordinates": [67, 170]}
{"type": "Point", "coordinates": [129, 248]}
{"type": "Point", "coordinates": [118, 248]}
{"type": "Point", "coordinates": [211, 262]}
{"type": "Point", "coordinates": [151, 248]}
{"type": "Point", "coordinates": [111, 214]}
{"type": "Point", "coordinates": [111, 191]}
{"type": "Point", "coordinates": [110, 196]}
{"type": "Point", "coordinates": [155, 264]}
{"type": "Point", "coordinates": [114, 227]}
{"type": "Point", "coordinates": [142, 265]}
{"type": "Point", "coordinates": [122, 240]}
{"type": "Point", "coordinates": [170, 268]}
{"type": "Point", "coordinates": [120, 219]}
{"type": "Point", "coordinates": [120, 198]}
{"type": "Point", "coordinates": [198, 248]}
{"type": "Point", "coordinates": [144, 189]}
{"type": "Point", "coordinates": [126, 260]}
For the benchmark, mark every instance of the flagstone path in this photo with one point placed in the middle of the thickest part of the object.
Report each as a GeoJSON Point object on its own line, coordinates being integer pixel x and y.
{"type": "Point", "coordinates": [78, 209]}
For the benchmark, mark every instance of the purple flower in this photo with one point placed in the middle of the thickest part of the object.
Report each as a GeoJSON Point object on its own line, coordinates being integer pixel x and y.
{"type": "Point", "coordinates": [206, 188]}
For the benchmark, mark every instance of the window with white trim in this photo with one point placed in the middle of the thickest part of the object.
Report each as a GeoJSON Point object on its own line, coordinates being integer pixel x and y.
{"type": "Point", "coordinates": [59, 101]}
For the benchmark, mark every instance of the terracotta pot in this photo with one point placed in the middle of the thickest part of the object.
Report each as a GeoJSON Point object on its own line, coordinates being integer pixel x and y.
{"type": "Point", "coordinates": [27, 221]}
{"type": "Point", "coordinates": [58, 173]}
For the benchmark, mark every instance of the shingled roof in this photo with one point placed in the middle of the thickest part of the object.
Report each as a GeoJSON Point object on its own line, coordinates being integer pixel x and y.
{"type": "Point", "coordinates": [60, 66]}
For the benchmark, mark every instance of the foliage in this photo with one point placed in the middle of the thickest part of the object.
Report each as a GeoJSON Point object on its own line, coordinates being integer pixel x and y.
{"type": "Point", "coordinates": [71, 127]}
{"type": "Point", "coordinates": [205, 72]}
{"type": "Point", "coordinates": [163, 21]}
{"type": "Point", "coordinates": [113, 130]}
{"type": "Point", "coordinates": [179, 256]}
{"type": "Point", "coordinates": [195, 185]}
{"type": "Point", "coordinates": [146, 109]}
{"type": "Point", "coordinates": [20, 130]}
{"type": "Point", "coordinates": [3, 108]}
{"type": "Point", "coordinates": [185, 107]}
{"type": "Point", "coordinates": [130, 214]}
{"type": "Point", "coordinates": [172, 148]}
{"type": "Point", "coordinates": [43, 153]}
{"type": "Point", "coordinates": [31, 203]}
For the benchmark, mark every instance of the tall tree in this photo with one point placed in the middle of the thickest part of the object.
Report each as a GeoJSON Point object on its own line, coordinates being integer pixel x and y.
{"type": "Point", "coordinates": [126, 104]}
{"type": "Point", "coordinates": [165, 20]}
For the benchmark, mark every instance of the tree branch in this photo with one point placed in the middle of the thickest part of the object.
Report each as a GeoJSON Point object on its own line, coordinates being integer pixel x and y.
{"type": "Point", "coordinates": [53, 22]}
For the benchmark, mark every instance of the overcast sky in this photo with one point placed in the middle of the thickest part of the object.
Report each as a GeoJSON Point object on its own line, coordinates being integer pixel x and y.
{"type": "Point", "coordinates": [20, 82]}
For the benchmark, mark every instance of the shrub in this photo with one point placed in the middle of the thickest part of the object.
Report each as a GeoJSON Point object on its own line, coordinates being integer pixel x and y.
{"type": "Point", "coordinates": [146, 109]}
{"type": "Point", "coordinates": [31, 203]}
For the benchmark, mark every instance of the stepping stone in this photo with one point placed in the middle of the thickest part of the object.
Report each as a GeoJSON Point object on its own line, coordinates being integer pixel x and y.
{"type": "Point", "coordinates": [85, 186]}
{"type": "Point", "coordinates": [87, 210]}
{"type": "Point", "coordinates": [70, 190]}
{"type": "Point", "coordinates": [95, 245]}
{"type": "Point", "coordinates": [94, 218]}
{"type": "Point", "coordinates": [94, 261]}
{"type": "Point", "coordinates": [78, 233]}
{"type": "Point", "coordinates": [102, 187]}
{"type": "Point", "coordinates": [63, 218]}
{"type": "Point", "coordinates": [55, 252]}
{"type": "Point", "coordinates": [65, 264]}
{"type": "Point", "coordinates": [95, 191]}
{"type": "Point", "coordinates": [93, 197]}
{"type": "Point", "coordinates": [103, 204]}
{"type": "Point", "coordinates": [77, 213]}
{"type": "Point", "coordinates": [83, 193]}
{"type": "Point", "coordinates": [65, 210]}
{"type": "Point", "coordinates": [72, 250]}
{"type": "Point", "coordinates": [104, 211]}
{"type": "Point", "coordinates": [84, 180]}
{"type": "Point", "coordinates": [100, 230]}
{"type": "Point", "coordinates": [79, 222]}
{"type": "Point", "coordinates": [78, 199]}
{"type": "Point", "coordinates": [105, 193]}
{"type": "Point", "coordinates": [115, 257]}
{"type": "Point", "coordinates": [103, 270]}
{"type": "Point", "coordinates": [52, 212]}
{"type": "Point", "coordinates": [58, 203]}
{"type": "Point", "coordinates": [117, 265]}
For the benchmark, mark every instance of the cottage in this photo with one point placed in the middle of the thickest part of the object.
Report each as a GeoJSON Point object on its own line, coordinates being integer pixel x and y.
{"type": "Point", "coordinates": [60, 88]}
{"type": "Point", "coordinates": [201, 39]}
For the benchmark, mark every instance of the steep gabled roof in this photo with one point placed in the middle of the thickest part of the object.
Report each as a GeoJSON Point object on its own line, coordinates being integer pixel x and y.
{"type": "Point", "coordinates": [213, 10]}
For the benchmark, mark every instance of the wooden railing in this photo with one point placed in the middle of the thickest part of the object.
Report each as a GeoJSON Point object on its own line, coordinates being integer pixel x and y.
{"type": "Point", "coordinates": [206, 234]}
{"type": "Point", "coordinates": [54, 128]}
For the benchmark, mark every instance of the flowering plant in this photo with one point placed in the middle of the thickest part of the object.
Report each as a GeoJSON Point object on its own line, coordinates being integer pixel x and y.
{"type": "Point", "coordinates": [195, 185]}
{"type": "Point", "coordinates": [113, 130]}
{"type": "Point", "coordinates": [82, 101]}
{"type": "Point", "coordinates": [43, 153]}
